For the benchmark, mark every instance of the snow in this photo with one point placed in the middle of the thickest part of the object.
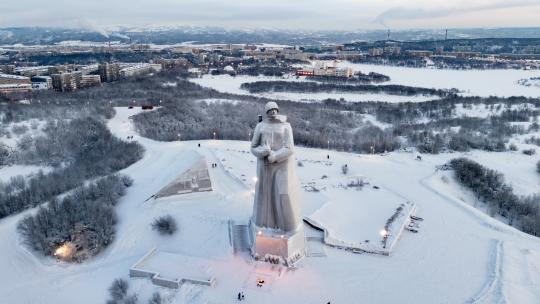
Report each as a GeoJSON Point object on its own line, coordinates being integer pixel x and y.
{"type": "Point", "coordinates": [484, 110]}
{"type": "Point", "coordinates": [374, 121]}
{"type": "Point", "coordinates": [219, 100]}
{"type": "Point", "coordinates": [460, 253]}
{"type": "Point", "coordinates": [371, 208]}
{"type": "Point", "coordinates": [6, 173]}
{"type": "Point", "coordinates": [535, 82]}
{"type": "Point", "coordinates": [519, 170]}
{"type": "Point", "coordinates": [231, 84]}
{"type": "Point", "coordinates": [484, 83]}
{"type": "Point", "coordinates": [12, 139]}
{"type": "Point", "coordinates": [169, 84]}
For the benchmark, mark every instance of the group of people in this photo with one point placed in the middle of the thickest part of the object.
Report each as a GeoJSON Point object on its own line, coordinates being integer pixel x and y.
{"type": "Point", "coordinates": [130, 137]}
{"type": "Point", "coordinates": [214, 165]}
{"type": "Point", "coordinates": [241, 296]}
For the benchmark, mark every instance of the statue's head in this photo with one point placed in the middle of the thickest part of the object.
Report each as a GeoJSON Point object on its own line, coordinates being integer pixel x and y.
{"type": "Point", "coordinates": [271, 108]}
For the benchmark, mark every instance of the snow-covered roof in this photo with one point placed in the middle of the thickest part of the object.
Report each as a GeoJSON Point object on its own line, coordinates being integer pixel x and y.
{"type": "Point", "coordinates": [15, 85]}
{"type": "Point", "coordinates": [32, 68]}
{"type": "Point", "coordinates": [2, 75]}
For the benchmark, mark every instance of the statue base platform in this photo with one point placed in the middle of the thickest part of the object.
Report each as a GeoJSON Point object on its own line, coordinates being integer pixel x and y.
{"type": "Point", "coordinates": [275, 246]}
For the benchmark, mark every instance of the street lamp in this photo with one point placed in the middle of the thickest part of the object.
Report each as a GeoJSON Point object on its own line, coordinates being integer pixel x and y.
{"type": "Point", "coordinates": [249, 136]}
{"type": "Point", "coordinates": [372, 150]}
{"type": "Point", "coordinates": [328, 141]}
{"type": "Point", "coordinates": [214, 135]}
{"type": "Point", "coordinates": [178, 136]}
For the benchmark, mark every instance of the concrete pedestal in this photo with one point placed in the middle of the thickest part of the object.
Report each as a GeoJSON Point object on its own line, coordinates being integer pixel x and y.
{"type": "Point", "coordinates": [277, 247]}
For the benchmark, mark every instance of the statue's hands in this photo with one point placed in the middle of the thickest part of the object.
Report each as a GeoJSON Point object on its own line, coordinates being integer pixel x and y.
{"type": "Point", "coordinates": [266, 150]}
{"type": "Point", "coordinates": [272, 157]}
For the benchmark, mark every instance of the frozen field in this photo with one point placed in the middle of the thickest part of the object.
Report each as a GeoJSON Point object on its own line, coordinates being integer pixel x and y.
{"type": "Point", "coordinates": [230, 84]}
{"type": "Point", "coordinates": [472, 82]}
{"type": "Point", "coordinates": [460, 254]}
{"type": "Point", "coordinates": [484, 83]}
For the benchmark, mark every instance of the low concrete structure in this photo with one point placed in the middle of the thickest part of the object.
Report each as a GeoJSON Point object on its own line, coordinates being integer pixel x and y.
{"type": "Point", "coordinates": [171, 270]}
{"type": "Point", "coordinates": [395, 226]}
{"type": "Point", "coordinates": [195, 179]}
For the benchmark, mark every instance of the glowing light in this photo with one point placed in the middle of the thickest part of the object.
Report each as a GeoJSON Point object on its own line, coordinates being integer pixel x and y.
{"type": "Point", "coordinates": [255, 179]}
{"type": "Point", "coordinates": [65, 251]}
{"type": "Point", "coordinates": [259, 233]}
{"type": "Point", "coordinates": [383, 232]}
{"type": "Point", "coordinates": [282, 236]}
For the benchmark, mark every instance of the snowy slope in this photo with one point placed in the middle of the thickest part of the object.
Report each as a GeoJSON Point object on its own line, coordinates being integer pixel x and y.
{"type": "Point", "coordinates": [459, 255]}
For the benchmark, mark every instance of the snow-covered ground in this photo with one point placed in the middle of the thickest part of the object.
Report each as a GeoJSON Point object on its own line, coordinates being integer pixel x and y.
{"type": "Point", "coordinates": [7, 172]}
{"type": "Point", "coordinates": [230, 84]}
{"type": "Point", "coordinates": [470, 82]}
{"type": "Point", "coordinates": [460, 254]}
{"type": "Point", "coordinates": [485, 110]}
{"type": "Point", "coordinates": [502, 83]}
{"type": "Point", "coordinates": [32, 127]}
{"type": "Point", "coordinates": [519, 169]}
{"type": "Point", "coordinates": [534, 81]}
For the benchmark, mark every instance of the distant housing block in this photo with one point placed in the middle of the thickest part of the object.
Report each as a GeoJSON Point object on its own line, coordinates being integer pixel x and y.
{"type": "Point", "coordinates": [109, 72]}
{"type": "Point", "coordinates": [41, 82]}
{"type": "Point", "coordinates": [6, 89]}
{"type": "Point", "coordinates": [90, 81]}
{"type": "Point", "coordinates": [66, 82]}
{"type": "Point", "coordinates": [13, 79]}
{"type": "Point", "coordinates": [139, 69]}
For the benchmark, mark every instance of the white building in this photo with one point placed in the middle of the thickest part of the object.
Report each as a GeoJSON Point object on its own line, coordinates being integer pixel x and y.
{"type": "Point", "coordinates": [7, 89]}
{"type": "Point", "coordinates": [13, 79]}
{"type": "Point", "coordinates": [140, 69]}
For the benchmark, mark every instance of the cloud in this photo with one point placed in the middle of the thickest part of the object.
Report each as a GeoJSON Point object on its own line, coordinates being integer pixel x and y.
{"type": "Point", "coordinates": [90, 25]}
{"type": "Point", "coordinates": [98, 15]}
{"type": "Point", "coordinates": [404, 13]}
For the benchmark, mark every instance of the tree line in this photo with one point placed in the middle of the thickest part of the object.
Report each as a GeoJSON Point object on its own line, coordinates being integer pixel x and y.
{"type": "Point", "coordinates": [78, 150]}
{"type": "Point", "coordinates": [489, 186]}
{"type": "Point", "coordinates": [358, 77]}
{"type": "Point", "coordinates": [314, 87]}
{"type": "Point", "coordinates": [85, 219]}
{"type": "Point", "coordinates": [313, 126]}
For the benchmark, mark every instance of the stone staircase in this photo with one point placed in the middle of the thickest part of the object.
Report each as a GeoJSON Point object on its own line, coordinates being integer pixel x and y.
{"type": "Point", "coordinates": [239, 237]}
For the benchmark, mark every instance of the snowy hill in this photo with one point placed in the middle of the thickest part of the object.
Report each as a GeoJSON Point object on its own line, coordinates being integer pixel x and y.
{"type": "Point", "coordinates": [459, 254]}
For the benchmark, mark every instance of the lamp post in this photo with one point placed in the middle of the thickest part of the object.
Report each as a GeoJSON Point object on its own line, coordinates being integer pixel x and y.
{"type": "Point", "coordinates": [214, 135]}
{"type": "Point", "coordinates": [328, 141]}
{"type": "Point", "coordinates": [249, 136]}
{"type": "Point", "coordinates": [372, 150]}
{"type": "Point", "coordinates": [178, 136]}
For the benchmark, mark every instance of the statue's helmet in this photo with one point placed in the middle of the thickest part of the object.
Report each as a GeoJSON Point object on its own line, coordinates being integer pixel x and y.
{"type": "Point", "coordinates": [270, 105]}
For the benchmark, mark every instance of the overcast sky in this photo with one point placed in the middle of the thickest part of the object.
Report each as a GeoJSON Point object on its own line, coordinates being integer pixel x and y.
{"type": "Point", "coordinates": [282, 14]}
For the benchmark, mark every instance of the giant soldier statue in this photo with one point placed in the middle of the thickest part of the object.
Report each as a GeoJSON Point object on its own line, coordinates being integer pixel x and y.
{"type": "Point", "coordinates": [276, 224]}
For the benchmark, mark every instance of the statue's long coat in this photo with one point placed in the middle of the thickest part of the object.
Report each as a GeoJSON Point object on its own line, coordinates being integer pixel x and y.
{"type": "Point", "coordinates": [277, 201]}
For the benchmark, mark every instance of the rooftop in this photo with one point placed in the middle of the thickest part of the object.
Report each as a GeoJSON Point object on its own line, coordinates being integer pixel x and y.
{"type": "Point", "coordinates": [2, 75]}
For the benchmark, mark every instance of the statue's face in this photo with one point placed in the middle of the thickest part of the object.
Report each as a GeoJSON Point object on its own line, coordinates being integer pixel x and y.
{"type": "Point", "coordinates": [272, 113]}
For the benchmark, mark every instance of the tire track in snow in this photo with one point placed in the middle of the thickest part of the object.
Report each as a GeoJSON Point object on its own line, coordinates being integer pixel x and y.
{"type": "Point", "coordinates": [493, 292]}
